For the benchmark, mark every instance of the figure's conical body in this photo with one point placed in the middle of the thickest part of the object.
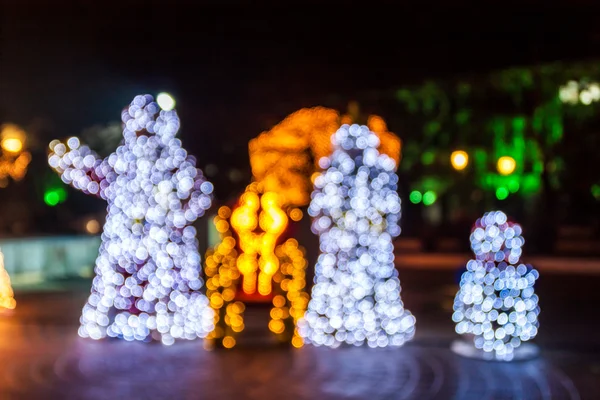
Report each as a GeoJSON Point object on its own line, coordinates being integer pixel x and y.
{"type": "Point", "coordinates": [148, 270]}
{"type": "Point", "coordinates": [356, 296]}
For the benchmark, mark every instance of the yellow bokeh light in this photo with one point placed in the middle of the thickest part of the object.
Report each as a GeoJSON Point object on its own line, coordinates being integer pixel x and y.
{"type": "Point", "coordinates": [296, 214]}
{"type": "Point", "coordinates": [12, 145]}
{"type": "Point", "coordinates": [14, 160]}
{"type": "Point", "coordinates": [506, 165]}
{"type": "Point", "coordinates": [228, 342]}
{"type": "Point", "coordinates": [92, 226]}
{"type": "Point", "coordinates": [459, 160]}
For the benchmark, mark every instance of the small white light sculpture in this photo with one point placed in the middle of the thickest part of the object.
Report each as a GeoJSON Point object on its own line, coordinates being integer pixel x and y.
{"type": "Point", "coordinates": [496, 305]}
{"type": "Point", "coordinates": [148, 270]}
{"type": "Point", "coordinates": [356, 209]}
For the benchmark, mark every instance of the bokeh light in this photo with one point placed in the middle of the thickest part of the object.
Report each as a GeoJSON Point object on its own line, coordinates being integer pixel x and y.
{"type": "Point", "coordinates": [506, 165]}
{"type": "Point", "coordinates": [501, 193]}
{"type": "Point", "coordinates": [459, 160]}
{"type": "Point", "coordinates": [429, 197]}
{"type": "Point", "coordinates": [14, 160]}
{"type": "Point", "coordinates": [165, 101]}
{"type": "Point", "coordinates": [415, 197]}
{"type": "Point", "coordinates": [92, 226]}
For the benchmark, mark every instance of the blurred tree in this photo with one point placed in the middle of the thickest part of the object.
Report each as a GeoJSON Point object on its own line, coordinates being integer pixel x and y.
{"type": "Point", "coordinates": [520, 113]}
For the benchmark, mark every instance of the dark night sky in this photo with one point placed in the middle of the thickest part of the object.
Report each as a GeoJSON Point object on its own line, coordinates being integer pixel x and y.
{"type": "Point", "coordinates": [236, 68]}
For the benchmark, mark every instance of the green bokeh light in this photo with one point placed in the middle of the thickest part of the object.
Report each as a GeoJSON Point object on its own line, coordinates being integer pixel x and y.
{"type": "Point", "coordinates": [415, 197]}
{"type": "Point", "coordinates": [501, 193]}
{"type": "Point", "coordinates": [513, 185]}
{"type": "Point", "coordinates": [54, 196]}
{"type": "Point", "coordinates": [429, 198]}
{"type": "Point", "coordinates": [428, 157]}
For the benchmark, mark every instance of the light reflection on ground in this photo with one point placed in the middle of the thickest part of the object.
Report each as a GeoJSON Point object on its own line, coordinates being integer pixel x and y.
{"type": "Point", "coordinates": [41, 356]}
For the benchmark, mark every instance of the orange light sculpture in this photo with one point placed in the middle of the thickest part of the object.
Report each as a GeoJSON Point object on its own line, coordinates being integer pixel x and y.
{"type": "Point", "coordinates": [284, 159]}
{"type": "Point", "coordinates": [258, 249]}
{"type": "Point", "coordinates": [255, 262]}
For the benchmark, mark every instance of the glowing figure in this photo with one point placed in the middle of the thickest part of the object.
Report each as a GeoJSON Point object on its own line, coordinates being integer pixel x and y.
{"type": "Point", "coordinates": [7, 297]}
{"type": "Point", "coordinates": [496, 304]}
{"type": "Point", "coordinates": [356, 209]}
{"type": "Point", "coordinates": [148, 270]}
{"type": "Point", "coordinates": [255, 262]}
{"type": "Point", "coordinates": [258, 249]}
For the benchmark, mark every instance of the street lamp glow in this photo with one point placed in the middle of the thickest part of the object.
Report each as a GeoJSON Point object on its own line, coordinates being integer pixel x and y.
{"type": "Point", "coordinates": [459, 160]}
{"type": "Point", "coordinates": [506, 165]}
{"type": "Point", "coordinates": [12, 145]}
{"type": "Point", "coordinates": [165, 101]}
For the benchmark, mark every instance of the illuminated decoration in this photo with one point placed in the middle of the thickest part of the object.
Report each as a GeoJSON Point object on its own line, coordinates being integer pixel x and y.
{"type": "Point", "coordinates": [496, 304]}
{"type": "Point", "coordinates": [7, 297]}
{"type": "Point", "coordinates": [225, 261]}
{"type": "Point", "coordinates": [575, 92]}
{"type": "Point", "coordinates": [258, 263]}
{"type": "Point", "coordinates": [356, 209]}
{"type": "Point", "coordinates": [506, 165]}
{"type": "Point", "coordinates": [165, 101]}
{"type": "Point", "coordinates": [148, 271]}
{"type": "Point", "coordinates": [284, 158]}
{"type": "Point", "coordinates": [459, 160]}
{"type": "Point", "coordinates": [14, 160]}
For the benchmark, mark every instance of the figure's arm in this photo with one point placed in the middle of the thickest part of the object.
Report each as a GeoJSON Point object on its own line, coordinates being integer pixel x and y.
{"type": "Point", "coordinates": [79, 166]}
{"type": "Point", "coordinates": [201, 192]}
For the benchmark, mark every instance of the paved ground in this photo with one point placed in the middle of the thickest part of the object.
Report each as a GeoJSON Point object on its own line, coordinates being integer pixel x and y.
{"type": "Point", "coordinates": [41, 356]}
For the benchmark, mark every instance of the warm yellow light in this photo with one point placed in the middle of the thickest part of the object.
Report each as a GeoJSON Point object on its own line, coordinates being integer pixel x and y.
{"type": "Point", "coordinates": [12, 145]}
{"type": "Point", "coordinates": [296, 214]}
{"type": "Point", "coordinates": [228, 342]}
{"type": "Point", "coordinates": [506, 165]}
{"type": "Point", "coordinates": [92, 227]}
{"type": "Point", "coordinates": [459, 160]}
{"type": "Point", "coordinates": [13, 138]}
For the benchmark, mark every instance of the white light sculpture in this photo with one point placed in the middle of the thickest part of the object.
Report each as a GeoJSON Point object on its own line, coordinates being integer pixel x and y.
{"type": "Point", "coordinates": [496, 305]}
{"type": "Point", "coordinates": [148, 270]}
{"type": "Point", "coordinates": [356, 209]}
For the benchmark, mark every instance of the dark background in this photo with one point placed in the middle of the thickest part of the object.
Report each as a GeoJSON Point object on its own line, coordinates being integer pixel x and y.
{"type": "Point", "coordinates": [237, 68]}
